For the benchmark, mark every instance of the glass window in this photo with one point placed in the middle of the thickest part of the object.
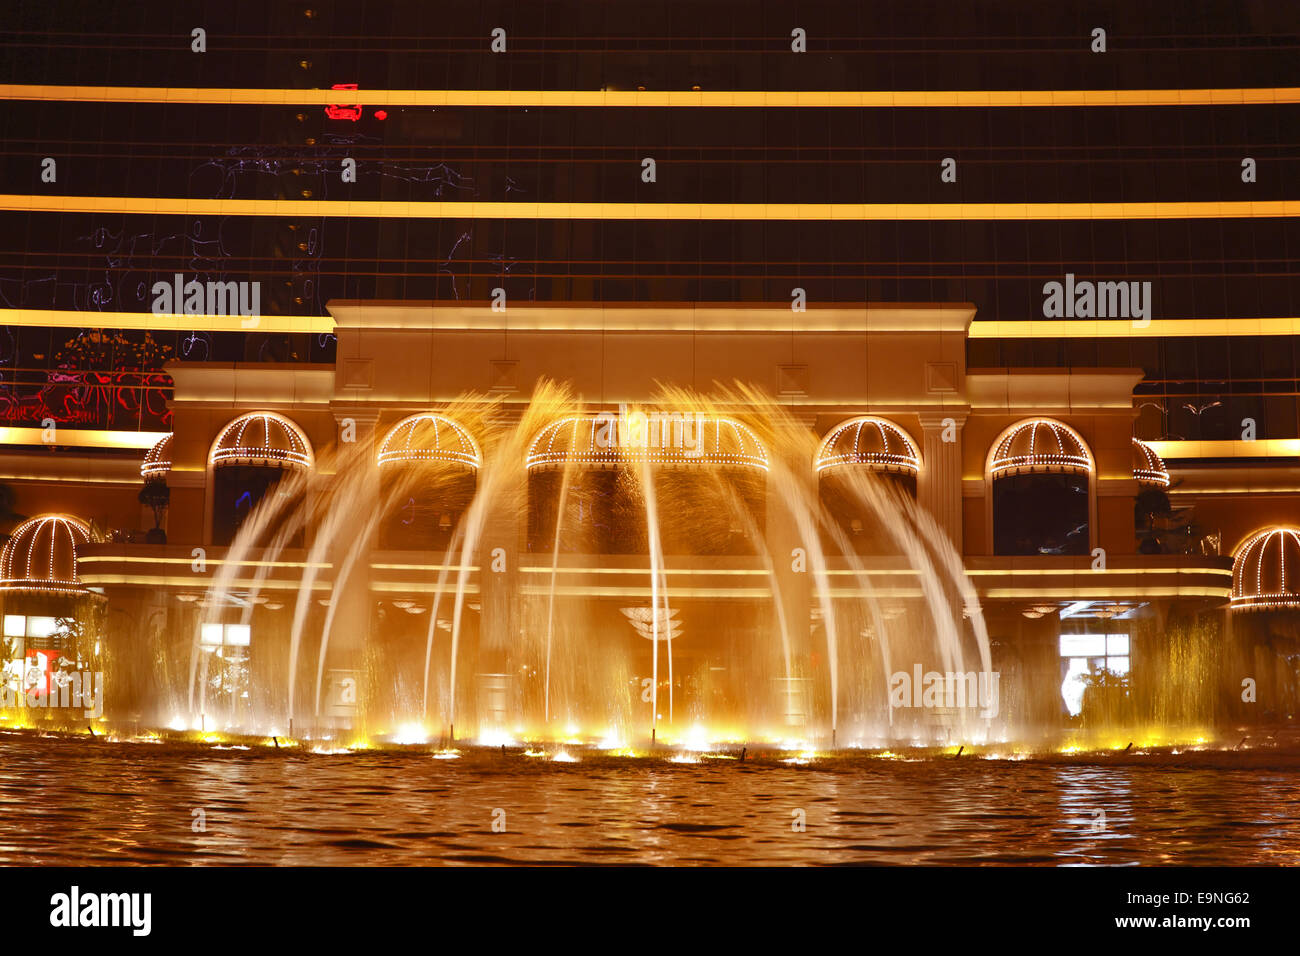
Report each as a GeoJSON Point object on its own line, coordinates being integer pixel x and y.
{"type": "Point", "coordinates": [1086, 656]}
{"type": "Point", "coordinates": [1083, 645]}
{"type": "Point", "coordinates": [1040, 514]}
{"type": "Point", "coordinates": [41, 626]}
{"type": "Point", "coordinates": [225, 635]}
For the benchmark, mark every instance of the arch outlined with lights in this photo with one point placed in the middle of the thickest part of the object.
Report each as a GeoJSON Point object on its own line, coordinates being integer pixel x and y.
{"type": "Point", "coordinates": [725, 442]}
{"type": "Point", "coordinates": [262, 438]}
{"type": "Point", "coordinates": [869, 441]}
{"type": "Point", "coordinates": [157, 462]}
{"type": "Point", "coordinates": [1073, 455]}
{"type": "Point", "coordinates": [1266, 570]}
{"type": "Point", "coordinates": [1042, 446]}
{"type": "Point", "coordinates": [452, 442]}
{"type": "Point", "coordinates": [41, 556]}
{"type": "Point", "coordinates": [1148, 467]}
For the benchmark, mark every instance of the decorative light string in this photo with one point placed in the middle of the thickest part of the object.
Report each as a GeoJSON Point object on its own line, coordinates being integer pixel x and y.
{"type": "Point", "coordinates": [290, 447]}
{"type": "Point", "coordinates": [578, 439]}
{"type": "Point", "coordinates": [427, 436]}
{"type": "Point", "coordinates": [1271, 588]}
{"type": "Point", "coordinates": [1019, 449]}
{"type": "Point", "coordinates": [57, 572]}
{"type": "Point", "coordinates": [1148, 469]}
{"type": "Point", "coordinates": [886, 447]}
{"type": "Point", "coordinates": [157, 463]}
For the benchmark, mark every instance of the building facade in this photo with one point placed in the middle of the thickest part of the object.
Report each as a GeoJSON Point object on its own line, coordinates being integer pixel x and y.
{"type": "Point", "coordinates": [1103, 565]}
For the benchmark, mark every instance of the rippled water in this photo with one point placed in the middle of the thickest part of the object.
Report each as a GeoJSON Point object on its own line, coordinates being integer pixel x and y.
{"type": "Point", "coordinates": [81, 802]}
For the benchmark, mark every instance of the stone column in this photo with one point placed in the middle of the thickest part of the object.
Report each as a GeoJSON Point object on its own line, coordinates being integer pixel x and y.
{"type": "Point", "coordinates": [938, 487]}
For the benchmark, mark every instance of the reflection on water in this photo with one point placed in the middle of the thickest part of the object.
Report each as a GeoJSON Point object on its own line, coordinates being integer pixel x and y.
{"type": "Point", "coordinates": [75, 801]}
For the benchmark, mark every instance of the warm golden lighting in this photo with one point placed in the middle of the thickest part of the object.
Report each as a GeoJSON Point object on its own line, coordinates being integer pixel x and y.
{"type": "Point", "coordinates": [658, 211]}
{"type": "Point", "coordinates": [1040, 445]}
{"type": "Point", "coordinates": [41, 556]}
{"type": "Point", "coordinates": [875, 443]}
{"type": "Point", "coordinates": [157, 462]}
{"type": "Point", "coordinates": [79, 437]}
{"type": "Point", "coordinates": [169, 321]}
{"type": "Point", "coordinates": [1266, 571]}
{"type": "Point", "coordinates": [644, 99]}
{"type": "Point", "coordinates": [661, 439]}
{"type": "Point", "coordinates": [262, 438]}
{"type": "Point", "coordinates": [1148, 469]}
{"type": "Point", "coordinates": [496, 738]}
{"type": "Point", "coordinates": [411, 734]}
{"type": "Point", "coordinates": [429, 437]}
{"type": "Point", "coordinates": [654, 624]}
{"type": "Point", "coordinates": [1233, 327]}
{"type": "Point", "coordinates": [1228, 448]}
{"type": "Point", "coordinates": [754, 318]}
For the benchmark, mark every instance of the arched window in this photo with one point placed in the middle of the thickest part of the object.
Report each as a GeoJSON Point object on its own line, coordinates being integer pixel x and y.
{"type": "Point", "coordinates": [40, 556]}
{"type": "Point", "coordinates": [1148, 468]}
{"type": "Point", "coordinates": [158, 462]}
{"type": "Point", "coordinates": [1266, 571]}
{"type": "Point", "coordinates": [42, 592]}
{"type": "Point", "coordinates": [1040, 470]}
{"type": "Point", "coordinates": [1154, 518]}
{"type": "Point", "coordinates": [864, 445]}
{"type": "Point", "coordinates": [708, 473]}
{"type": "Point", "coordinates": [249, 460]}
{"type": "Point", "coordinates": [428, 464]}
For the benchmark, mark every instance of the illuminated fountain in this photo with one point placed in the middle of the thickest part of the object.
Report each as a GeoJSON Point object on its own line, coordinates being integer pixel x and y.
{"type": "Point", "coordinates": [756, 607]}
{"type": "Point", "coordinates": [700, 571]}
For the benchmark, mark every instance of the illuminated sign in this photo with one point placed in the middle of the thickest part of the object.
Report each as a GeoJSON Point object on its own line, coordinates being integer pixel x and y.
{"type": "Point", "coordinates": [352, 113]}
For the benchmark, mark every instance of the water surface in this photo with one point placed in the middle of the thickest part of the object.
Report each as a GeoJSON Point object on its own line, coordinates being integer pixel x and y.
{"type": "Point", "coordinates": [73, 801]}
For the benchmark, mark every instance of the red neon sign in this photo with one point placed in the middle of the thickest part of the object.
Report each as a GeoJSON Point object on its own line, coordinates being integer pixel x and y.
{"type": "Point", "coordinates": [352, 113]}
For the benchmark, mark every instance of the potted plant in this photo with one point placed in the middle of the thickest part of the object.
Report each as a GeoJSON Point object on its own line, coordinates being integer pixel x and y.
{"type": "Point", "coordinates": [1161, 528]}
{"type": "Point", "coordinates": [156, 496]}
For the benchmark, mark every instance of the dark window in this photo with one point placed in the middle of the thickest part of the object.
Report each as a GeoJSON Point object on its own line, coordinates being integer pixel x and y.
{"type": "Point", "coordinates": [1040, 514]}
{"type": "Point", "coordinates": [860, 525]}
{"type": "Point", "coordinates": [237, 492]}
{"type": "Point", "coordinates": [427, 505]}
